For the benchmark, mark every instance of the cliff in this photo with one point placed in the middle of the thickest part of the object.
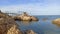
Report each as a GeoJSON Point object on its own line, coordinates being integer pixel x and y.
{"type": "Point", "coordinates": [8, 25]}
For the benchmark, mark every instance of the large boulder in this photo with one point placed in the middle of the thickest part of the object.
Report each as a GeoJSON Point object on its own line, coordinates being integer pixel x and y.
{"type": "Point", "coordinates": [56, 21]}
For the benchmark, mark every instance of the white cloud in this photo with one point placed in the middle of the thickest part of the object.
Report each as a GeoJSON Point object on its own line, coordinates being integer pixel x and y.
{"type": "Point", "coordinates": [35, 9]}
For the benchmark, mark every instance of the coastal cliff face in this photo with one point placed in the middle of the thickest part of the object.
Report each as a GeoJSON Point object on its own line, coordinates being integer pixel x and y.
{"type": "Point", "coordinates": [8, 25]}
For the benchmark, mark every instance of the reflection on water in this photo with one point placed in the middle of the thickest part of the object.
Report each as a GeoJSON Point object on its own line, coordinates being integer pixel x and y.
{"type": "Point", "coordinates": [25, 22]}
{"type": "Point", "coordinates": [43, 26]}
{"type": "Point", "coordinates": [58, 25]}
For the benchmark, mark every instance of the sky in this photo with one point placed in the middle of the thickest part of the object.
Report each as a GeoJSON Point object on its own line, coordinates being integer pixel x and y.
{"type": "Point", "coordinates": [34, 7]}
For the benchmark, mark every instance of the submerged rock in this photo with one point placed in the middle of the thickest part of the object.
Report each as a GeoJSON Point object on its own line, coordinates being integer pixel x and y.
{"type": "Point", "coordinates": [25, 17]}
{"type": "Point", "coordinates": [56, 21]}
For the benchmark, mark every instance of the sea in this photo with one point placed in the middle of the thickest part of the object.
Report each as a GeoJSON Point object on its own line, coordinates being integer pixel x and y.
{"type": "Point", "coordinates": [43, 26]}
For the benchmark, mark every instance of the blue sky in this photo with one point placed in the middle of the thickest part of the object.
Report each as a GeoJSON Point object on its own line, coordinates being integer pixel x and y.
{"type": "Point", "coordinates": [35, 7]}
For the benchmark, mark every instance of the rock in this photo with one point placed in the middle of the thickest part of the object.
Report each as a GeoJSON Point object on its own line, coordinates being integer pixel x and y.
{"type": "Point", "coordinates": [30, 32]}
{"type": "Point", "coordinates": [14, 30]}
{"type": "Point", "coordinates": [15, 17]}
{"type": "Point", "coordinates": [8, 25]}
{"type": "Point", "coordinates": [45, 19]}
{"type": "Point", "coordinates": [4, 15]}
{"type": "Point", "coordinates": [56, 21]}
{"type": "Point", "coordinates": [25, 14]}
{"type": "Point", "coordinates": [34, 18]}
{"type": "Point", "coordinates": [25, 17]}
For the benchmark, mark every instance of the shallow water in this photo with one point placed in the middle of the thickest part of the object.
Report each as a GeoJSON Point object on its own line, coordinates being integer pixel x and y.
{"type": "Point", "coordinates": [43, 26]}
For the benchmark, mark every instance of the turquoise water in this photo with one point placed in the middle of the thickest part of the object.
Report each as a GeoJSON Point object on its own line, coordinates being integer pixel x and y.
{"type": "Point", "coordinates": [43, 26]}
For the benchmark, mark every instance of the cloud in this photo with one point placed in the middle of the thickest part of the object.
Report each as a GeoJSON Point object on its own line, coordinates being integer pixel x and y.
{"type": "Point", "coordinates": [47, 7]}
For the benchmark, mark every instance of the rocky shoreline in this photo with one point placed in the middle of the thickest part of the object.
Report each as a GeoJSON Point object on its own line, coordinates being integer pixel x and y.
{"type": "Point", "coordinates": [9, 26]}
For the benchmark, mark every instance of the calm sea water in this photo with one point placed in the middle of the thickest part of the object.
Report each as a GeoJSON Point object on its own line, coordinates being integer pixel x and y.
{"type": "Point", "coordinates": [43, 26]}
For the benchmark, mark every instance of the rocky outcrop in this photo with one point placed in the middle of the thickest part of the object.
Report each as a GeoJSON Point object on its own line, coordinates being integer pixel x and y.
{"type": "Point", "coordinates": [8, 25]}
{"type": "Point", "coordinates": [56, 21]}
{"type": "Point", "coordinates": [14, 30]}
{"type": "Point", "coordinates": [30, 32]}
{"type": "Point", "coordinates": [34, 18]}
{"type": "Point", "coordinates": [25, 17]}
{"type": "Point", "coordinates": [4, 15]}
